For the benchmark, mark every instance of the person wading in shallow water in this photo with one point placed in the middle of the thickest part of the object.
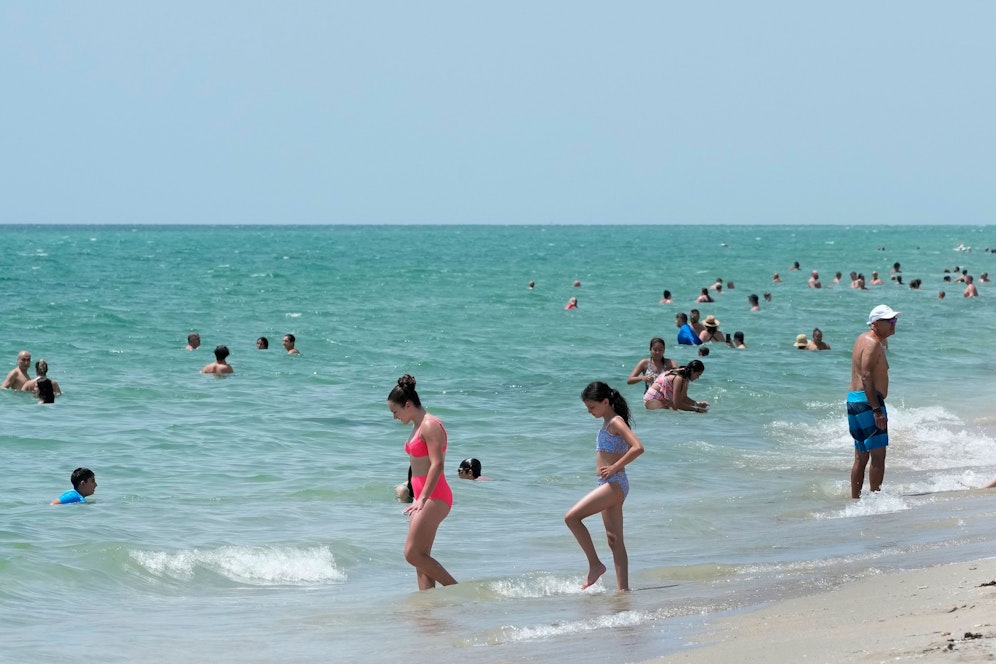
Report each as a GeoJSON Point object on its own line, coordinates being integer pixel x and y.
{"type": "Point", "coordinates": [615, 447]}
{"type": "Point", "coordinates": [867, 417]}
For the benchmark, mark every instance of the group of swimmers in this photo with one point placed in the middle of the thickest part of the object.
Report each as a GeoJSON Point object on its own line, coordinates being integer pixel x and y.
{"type": "Point", "coordinates": [858, 281]}
{"type": "Point", "coordinates": [616, 445]}
{"type": "Point", "coordinates": [221, 352]}
{"type": "Point", "coordinates": [19, 378]}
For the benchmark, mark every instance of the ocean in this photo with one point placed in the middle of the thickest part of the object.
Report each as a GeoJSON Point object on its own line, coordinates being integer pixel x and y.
{"type": "Point", "coordinates": [252, 518]}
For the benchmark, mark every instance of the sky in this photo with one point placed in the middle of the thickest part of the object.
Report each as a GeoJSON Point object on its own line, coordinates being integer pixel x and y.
{"type": "Point", "coordinates": [328, 112]}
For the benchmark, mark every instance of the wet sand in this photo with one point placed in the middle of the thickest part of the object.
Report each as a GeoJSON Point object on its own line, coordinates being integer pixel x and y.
{"type": "Point", "coordinates": [945, 613]}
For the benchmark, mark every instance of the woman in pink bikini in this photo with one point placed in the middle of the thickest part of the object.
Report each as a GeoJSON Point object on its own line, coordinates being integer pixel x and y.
{"type": "Point", "coordinates": [426, 447]}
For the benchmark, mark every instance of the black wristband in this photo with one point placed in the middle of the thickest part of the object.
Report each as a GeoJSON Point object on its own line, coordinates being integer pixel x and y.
{"type": "Point", "coordinates": [877, 410]}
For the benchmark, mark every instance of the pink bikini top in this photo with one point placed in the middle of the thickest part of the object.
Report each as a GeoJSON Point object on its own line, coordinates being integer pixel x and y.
{"type": "Point", "coordinates": [417, 447]}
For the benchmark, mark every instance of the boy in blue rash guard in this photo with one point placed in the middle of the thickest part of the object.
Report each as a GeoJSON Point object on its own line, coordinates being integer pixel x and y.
{"type": "Point", "coordinates": [84, 484]}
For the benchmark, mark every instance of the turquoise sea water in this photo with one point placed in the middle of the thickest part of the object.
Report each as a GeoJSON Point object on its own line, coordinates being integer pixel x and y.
{"type": "Point", "coordinates": [252, 518]}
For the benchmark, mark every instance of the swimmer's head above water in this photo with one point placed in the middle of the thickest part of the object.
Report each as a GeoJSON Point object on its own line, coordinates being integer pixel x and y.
{"type": "Point", "coordinates": [470, 469]}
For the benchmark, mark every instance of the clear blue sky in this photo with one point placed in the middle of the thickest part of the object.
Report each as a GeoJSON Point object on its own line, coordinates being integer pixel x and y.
{"type": "Point", "coordinates": [514, 112]}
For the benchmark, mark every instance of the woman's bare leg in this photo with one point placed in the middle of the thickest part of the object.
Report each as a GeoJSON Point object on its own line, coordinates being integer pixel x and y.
{"type": "Point", "coordinates": [418, 547]}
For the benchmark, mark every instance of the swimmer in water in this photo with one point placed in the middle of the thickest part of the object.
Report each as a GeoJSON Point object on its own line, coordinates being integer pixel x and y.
{"type": "Point", "coordinates": [470, 469]}
{"type": "Point", "coordinates": [84, 484]}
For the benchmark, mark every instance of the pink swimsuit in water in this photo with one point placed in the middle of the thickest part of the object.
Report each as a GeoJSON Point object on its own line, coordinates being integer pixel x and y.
{"type": "Point", "coordinates": [417, 447]}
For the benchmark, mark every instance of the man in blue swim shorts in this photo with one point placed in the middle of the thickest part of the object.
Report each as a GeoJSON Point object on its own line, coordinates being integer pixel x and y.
{"type": "Point", "coordinates": [867, 418]}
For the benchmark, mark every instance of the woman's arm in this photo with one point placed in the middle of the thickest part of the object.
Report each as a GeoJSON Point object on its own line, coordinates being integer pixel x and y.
{"type": "Point", "coordinates": [638, 376]}
{"type": "Point", "coordinates": [619, 427]}
{"type": "Point", "coordinates": [681, 399]}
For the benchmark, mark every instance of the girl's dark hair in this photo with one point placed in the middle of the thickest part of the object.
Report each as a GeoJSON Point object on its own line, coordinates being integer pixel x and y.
{"type": "Point", "coordinates": [655, 340]}
{"type": "Point", "coordinates": [46, 393]}
{"type": "Point", "coordinates": [597, 391]}
{"type": "Point", "coordinates": [693, 367]}
{"type": "Point", "coordinates": [404, 392]}
{"type": "Point", "coordinates": [473, 465]}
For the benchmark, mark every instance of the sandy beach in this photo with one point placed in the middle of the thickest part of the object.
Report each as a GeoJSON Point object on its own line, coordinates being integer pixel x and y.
{"type": "Point", "coordinates": [944, 613]}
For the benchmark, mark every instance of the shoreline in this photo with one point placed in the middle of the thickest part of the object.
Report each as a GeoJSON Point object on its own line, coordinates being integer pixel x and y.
{"type": "Point", "coordinates": [948, 610]}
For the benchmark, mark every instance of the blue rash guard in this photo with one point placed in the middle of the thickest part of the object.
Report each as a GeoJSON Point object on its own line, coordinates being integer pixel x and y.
{"type": "Point", "coordinates": [71, 496]}
{"type": "Point", "coordinates": [687, 336]}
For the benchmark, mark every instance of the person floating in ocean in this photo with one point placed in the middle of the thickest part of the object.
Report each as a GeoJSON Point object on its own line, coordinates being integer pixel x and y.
{"type": "Point", "coordinates": [289, 341]}
{"type": "Point", "coordinates": [693, 320]}
{"type": "Point", "coordinates": [647, 369]}
{"type": "Point", "coordinates": [403, 492]}
{"type": "Point", "coordinates": [262, 343]}
{"type": "Point", "coordinates": [616, 446]}
{"type": "Point", "coordinates": [571, 304]}
{"type": "Point", "coordinates": [970, 289]}
{"type": "Point", "coordinates": [84, 484]}
{"type": "Point", "coordinates": [711, 332]}
{"type": "Point", "coordinates": [867, 418]}
{"type": "Point", "coordinates": [44, 388]}
{"type": "Point", "coordinates": [470, 469]}
{"type": "Point", "coordinates": [801, 341]}
{"type": "Point", "coordinates": [426, 447]}
{"type": "Point", "coordinates": [817, 343]}
{"type": "Point", "coordinates": [18, 376]}
{"type": "Point", "coordinates": [687, 336]}
{"type": "Point", "coordinates": [193, 341]}
{"type": "Point", "coordinates": [220, 364]}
